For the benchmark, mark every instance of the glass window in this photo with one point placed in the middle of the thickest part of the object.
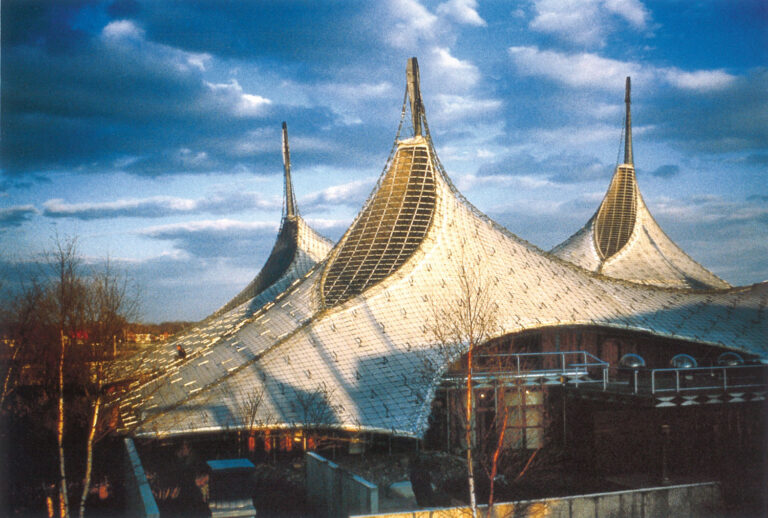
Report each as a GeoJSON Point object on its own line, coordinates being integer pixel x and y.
{"type": "Point", "coordinates": [525, 424]}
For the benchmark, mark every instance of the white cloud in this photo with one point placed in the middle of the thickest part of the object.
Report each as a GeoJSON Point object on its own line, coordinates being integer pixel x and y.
{"type": "Point", "coordinates": [591, 70]}
{"type": "Point", "coordinates": [352, 193]}
{"type": "Point", "coordinates": [189, 158]}
{"type": "Point", "coordinates": [239, 103]}
{"type": "Point", "coordinates": [470, 181]}
{"type": "Point", "coordinates": [462, 11]}
{"type": "Point", "coordinates": [457, 107]}
{"type": "Point", "coordinates": [632, 11]}
{"type": "Point", "coordinates": [449, 72]}
{"type": "Point", "coordinates": [329, 226]}
{"type": "Point", "coordinates": [199, 60]}
{"type": "Point", "coordinates": [587, 22]}
{"type": "Point", "coordinates": [122, 29]}
{"type": "Point", "coordinates": [413, 23]}
{"type": "Point", "coordinates": [700, 80]}
{"type": "Point", "coordinates": [709, 209]}
{"type": "Point", "coordinates": [159, 206]}
{"type": "Point", "coordinates": [606, 111]}
{"type": "Point", "coordinates": [582, 69]}
{"type": "Point", "coordinates": [208, 226]}
{"type": "Point", "coordinates": [16, 215]}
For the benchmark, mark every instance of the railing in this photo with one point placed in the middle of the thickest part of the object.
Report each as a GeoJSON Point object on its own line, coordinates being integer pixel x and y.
{"type": "Point", "coordinates": [708, 378]}
{"type": "Point", "coordinates": [536, 365]}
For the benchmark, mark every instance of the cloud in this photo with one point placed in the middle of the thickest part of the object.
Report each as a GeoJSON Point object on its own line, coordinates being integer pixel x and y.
{"type": "Point", "coordinates": [462, 11]}
{"type": "Point", "coordinates": [739, 228]}
{"type": "Point", "coordinates": [713, 209]}
{"type": "Point", "coordinates": [666, 171]}
{"type": "Point", "coordinates": [462, 107]}
{"type": "Point", "coordinates": [351, 194]}
{"type": "Point", "coordinates": [527, 182]}
{"type": "Point", "coordinates": [412, 24]}
{"type": "Point", "coordinates": [232, 98]}
{"type": "Point", "coordinates": [733, 118]}
{"type": "Point", "coordinates": [160, 206]}
{"type": "Point", "coordinates": [561, 168]}
{"type": "Point", "coordinates": [322, 36]}
{"type": "Point", "coordinates": [119, 94]}
{"type": "Point", "coordinates": [578, 70]}
{"type": "Point", "coordinates": [120, 29]}
{"type": "Point", "coordinates": [16, 215]}
{"type": "Point", "coordinates": [587, 22]}
{"type": "Point", "coordinates": [701, 80]}
{"type": "Point", "coordinates": [632, 11]}
{"type": "Point", "coordinates": [233, 240]}
{"type": "Point", "coordinates": [450, 72]}
{"type": "Point", "coordinates": [589, 70]}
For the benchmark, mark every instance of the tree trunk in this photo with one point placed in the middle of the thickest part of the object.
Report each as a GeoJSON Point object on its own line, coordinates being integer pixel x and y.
{"type": "Point", "coordinates": [468, 436]}
{"type": "Point", "coordinates": [89, 456]}
{"type": "Point", "coordinates": [7, 381]}
{"type": "Point", "coordinates": [63, 498]}
{"type": "Point", "coordinates": [496, 454]}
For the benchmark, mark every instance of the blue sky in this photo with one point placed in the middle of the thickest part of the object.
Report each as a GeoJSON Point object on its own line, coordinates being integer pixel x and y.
{"type": "Point", "coordinates": [151, 130]}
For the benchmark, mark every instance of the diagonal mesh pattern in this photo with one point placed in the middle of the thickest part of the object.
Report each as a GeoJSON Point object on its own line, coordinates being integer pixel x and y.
{"type": "Point", "coordinates": [616, 217]}
{"type": "Point", "coordinates": [389, 229]}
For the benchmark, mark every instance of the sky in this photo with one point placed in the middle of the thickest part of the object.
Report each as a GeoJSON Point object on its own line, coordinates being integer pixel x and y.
{"type": "Point", "coordinates": [151, 130]}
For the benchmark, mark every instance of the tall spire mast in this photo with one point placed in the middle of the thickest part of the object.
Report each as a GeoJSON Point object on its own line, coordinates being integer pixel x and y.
{"type": "Point", "coordinates": [628, 129]}
{"type": "Point", "coordinates": [290, 202]}
{"type": "Point", "coordinates": [414, 94]}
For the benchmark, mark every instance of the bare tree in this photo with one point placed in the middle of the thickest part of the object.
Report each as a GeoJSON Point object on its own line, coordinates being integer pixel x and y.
{"type": "Point", "coordinates": [22, 328]}
{"type": "Point", "coordinates": [315, 410]}
{"type": "Point", "coordinates": [111, 302]}
{"type": "Point", "coordinates": [467, 321]}
{"type": "Point", "coordinates": [68, 306]}
{"type": "Point", "coordinates": [64, 319]}
{"type": "Point", "coordinates": [248, 411]}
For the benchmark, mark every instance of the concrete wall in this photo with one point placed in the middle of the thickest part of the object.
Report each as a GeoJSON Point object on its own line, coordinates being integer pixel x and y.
{"type": "Point", "coordinates": [336, 492]}
{"type": "Point", "coordinates": [139, 501]}
{"type": "Point", "coordinates": [690, 500]}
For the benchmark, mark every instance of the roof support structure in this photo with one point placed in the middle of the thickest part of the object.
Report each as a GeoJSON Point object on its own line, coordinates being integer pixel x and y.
{"type": "Point", "coordinates": [290, 201]}
{"type": "Point", "coordinates": [628, 129]}
{"type": "Point", "coordinates": [414, 94]}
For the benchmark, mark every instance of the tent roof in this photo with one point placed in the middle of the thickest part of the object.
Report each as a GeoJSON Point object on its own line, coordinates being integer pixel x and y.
{"type": "Point", "coordinates": [623, 240]}
{"type": "Point", "coordinates": [364, 358]}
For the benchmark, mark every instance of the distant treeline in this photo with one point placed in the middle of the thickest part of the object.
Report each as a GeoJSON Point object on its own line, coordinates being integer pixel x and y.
{"type": "Point", "coordinates": [158, 329]}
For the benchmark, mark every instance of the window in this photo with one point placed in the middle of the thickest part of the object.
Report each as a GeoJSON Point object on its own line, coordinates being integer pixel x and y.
{"type": "Point", "coordinates": [525, 425]}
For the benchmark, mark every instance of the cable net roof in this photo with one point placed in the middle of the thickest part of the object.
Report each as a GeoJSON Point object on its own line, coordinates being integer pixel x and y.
{"type": "Point", "coordinates": [372, 363]}
{"type": "Point", "coordinates": [389, 229]}
{"type": "Point", "coordinates": [373, 360]}
{"type": "Point", "coordinates": [616, 216]}
{"type": "Point", "coordinates": [622, 240]}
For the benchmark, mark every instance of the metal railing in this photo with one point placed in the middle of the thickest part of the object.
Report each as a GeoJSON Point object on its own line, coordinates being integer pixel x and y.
{"type": "Point", "coordinates": [563, 364]}
{"type": "Point", "coordinates": [723, 378]}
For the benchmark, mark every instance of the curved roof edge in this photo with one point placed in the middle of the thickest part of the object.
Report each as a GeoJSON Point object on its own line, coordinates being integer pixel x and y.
{"type": "Point", "coordinates": [624, 241]}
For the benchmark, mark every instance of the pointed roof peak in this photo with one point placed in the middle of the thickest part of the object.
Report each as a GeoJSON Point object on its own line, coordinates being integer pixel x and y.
{"type": "Point", "coordinates": [623, 240]}
{"type": "Point", "coordinates": [628, 126]}
{"type": "Point", "coordinates": [414, 94]}
{"type": "Point", "coordinates": [290, 201]}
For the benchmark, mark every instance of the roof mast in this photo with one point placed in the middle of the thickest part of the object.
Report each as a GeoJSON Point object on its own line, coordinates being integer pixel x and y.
{"type": "Point", "coordinates": [290, 202]}
{"type": "Point", "coordinates": [628, 129]}
{"type": "Point", "coordinates": [414, 94]}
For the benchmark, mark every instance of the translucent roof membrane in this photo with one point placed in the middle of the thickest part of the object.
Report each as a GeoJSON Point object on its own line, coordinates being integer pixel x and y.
{"type": "Point", "coordinates": [616, 217]}
{"type": "Point", "coordinates": [373, 360]}
{"type": "Point", "coordinates": [389, 229]}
